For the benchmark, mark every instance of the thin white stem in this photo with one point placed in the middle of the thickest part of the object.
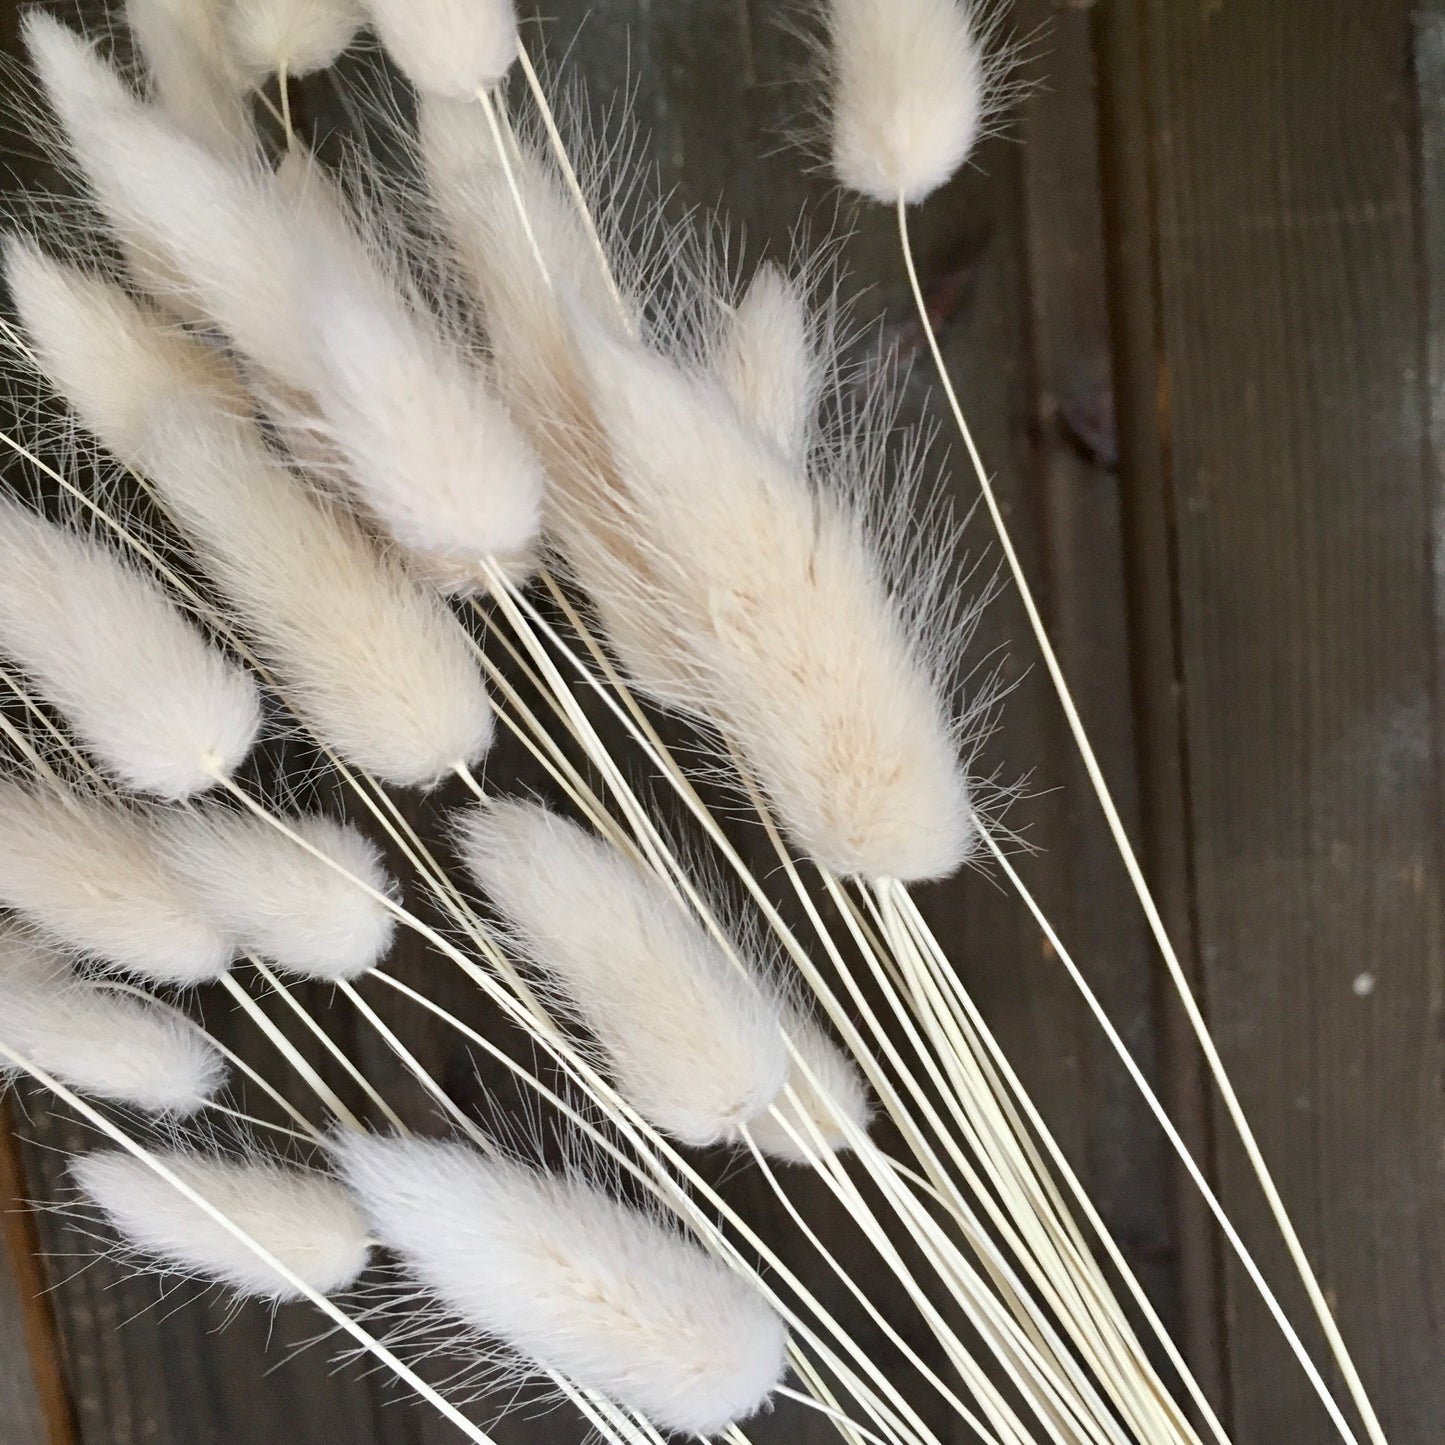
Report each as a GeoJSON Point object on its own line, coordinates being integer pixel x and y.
{"type": "Point", "coordinates": [1140, 884]}
{"type": "Point", "coordinates": [289, 1051]}
{"type": "Point", "coordinates": [1195, 1173]}
{"type": "Point", "coordinates": [574, 186]}
{"type": "Point", "coordinates": [283, 90]}
{"type": "Point", "coordinates": [279, 988]}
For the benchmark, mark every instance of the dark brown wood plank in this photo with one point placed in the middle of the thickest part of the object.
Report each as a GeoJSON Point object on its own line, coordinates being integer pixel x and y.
{"type": "Point", "coordinates": [1127, 164]}
{"type": "Point", "coordinates": [1280, 141]}
{"type": "Point", "coordinates": [34, 1407]}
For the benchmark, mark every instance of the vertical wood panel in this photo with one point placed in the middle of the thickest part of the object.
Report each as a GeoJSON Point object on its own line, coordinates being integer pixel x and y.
{"type": "Point", "coordinates": [1281, 148]}
{"type": "Point", "coordinates": [34, 1409]}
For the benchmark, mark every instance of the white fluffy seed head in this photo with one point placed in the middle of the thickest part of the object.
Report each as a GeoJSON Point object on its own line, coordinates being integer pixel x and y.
{"type": "Point", "coordinates": [89, 873]}
{"type": "Point", "coordinates": [94, 107]}
{"type": "Point", "coordinates": [380, 670]}
{"type": "Point", "coordinates": [98, 1042]}
{"type": "Point", "coordinates": [910, 93]}
{"type": "Point", "coordinates": [574, 1280]}
{"type": "Point", "coordinates": [694, 1044]}
{"type": "Point", "coordinates": [733, 584]}
{"type": "Point", "coordinates": [433, 454]}
{"type": "Point", "coordinates": [450, 48]}
{"type": "Point", "coordinates": [303, 1220]}
{"type": "Point", "coordinates": [210, 232]}
{"type": "Point", "coordinates": [828, 1097]}
{"type": "Point", "coordinates": [766, 358]}
{"type": "Point", "coordinates": [278, 899]}
{"type": "Point", "coordinates": [298, 36]}
{"type": "Point", "coordinates": [279, 264]}
{"type": "Point", "coordinates": [86, 335]}
{"type": "Point", "coordinates": [193, 77]}
{"type": "Point", "coordinates": [152, 700]}
{"type": "Point", "coordinates": [771, 618]}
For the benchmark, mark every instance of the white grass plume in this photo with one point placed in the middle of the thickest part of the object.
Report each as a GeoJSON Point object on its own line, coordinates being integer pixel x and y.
{"type": "Point", "coordinates": [281, 266]}
{"type": "Point", "coordinates": [89, 873]}
{"type": "Point", "coordinates": [694, 1045]}
{"type": "Point", "coordinates": [279, 900]}
{"type": "Point", "coordinates": [157, 706]}
{"type": "Point", "coordinates": [100, 1042]}
{"type": "Point", "coordinates": [297, 36]}
{"type": "Point", "coordinates": [193, 79]}
{"type": "Point", "coordinates": [303, 1219]}
{"type": "Point", "coordinates": [432, 453]}
{"type": "Point", "coordinates": [137, 164]}
{"type": "Point", "coordinates": [766, 357]}
{"type": "Point", "coordinates": [378, 668]}
{"type": "Point", "coordinates": [67, 313]}
{"type": "Point", "coordinates": [574, 1280]}
{"type": "Point", "coordinates": [912, 89]}
{"type": "Point", "coordinates": [828, 1096]}
{"type": "Point", "coordinates": [450, 48]}
{"type": "Point", "coordinates": [733, 582]}
{"type": "Point", "coordinates": [753, 597]}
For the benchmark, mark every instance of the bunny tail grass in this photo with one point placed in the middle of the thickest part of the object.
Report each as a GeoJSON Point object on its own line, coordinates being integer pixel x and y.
{"type": "Point", "coordinates": [911, 91]}
{"type": "Point", "coordinates": [392, 402]}
{"type": "Point", "coordinates": [192, 75]}
{"type": "Point", "coordinates": [452, 48]}
{"type": "Point", "coordinates": [157, 706]}
{"type": "Point", "coordinates": [766, 357]}
{"type": "Point", "coordinates": [91, 875]}
{"type": "Point", "coordinates": [826, 1100]}
{"type": "Point", "coordinates": [376, 666]}
{"type": "Point", "coordinates": [732, 584]}
{"type": "Point", "coordinates": [281, 901]}
{"type": "Point", "coordinates": [290, 37]}
{"type": "Point", "coordinates": [572, 1278]}
{"type": "Point", "coordinates": [694, 1044]}
{"type": "Point", "coordinates": [305, 1220]}
{"type": "Point", "coordinates": [99, 1041]}
{"type": "Point", "coordinates": [770, 618]}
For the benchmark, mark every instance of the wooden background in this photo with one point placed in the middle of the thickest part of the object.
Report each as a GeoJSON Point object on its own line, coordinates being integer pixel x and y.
{"type": "Point", "coordinates": [1193, 303]}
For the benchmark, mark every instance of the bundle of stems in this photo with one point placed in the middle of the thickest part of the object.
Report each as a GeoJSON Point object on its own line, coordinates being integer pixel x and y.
{"type": "Point", "coordinates": [402, 459]}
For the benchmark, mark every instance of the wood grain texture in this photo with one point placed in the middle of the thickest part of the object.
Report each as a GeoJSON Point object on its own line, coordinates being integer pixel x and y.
{"type": "Point", "coordinates": [34, 1405]}
{"type": "Point", "coordinates": [1196, 321]}
{"type": "Point", "coordinates": [1279, 143]}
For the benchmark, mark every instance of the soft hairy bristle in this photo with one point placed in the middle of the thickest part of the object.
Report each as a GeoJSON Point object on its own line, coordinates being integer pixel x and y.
{"type": "Point", "coordinates": [694, 1044]}
{"type": "Point", "coordinates": [100, 1042]}
{"type": "Point", "coordinates": [825, 1097]}
{"type": "Point", "coordinates": [278, 899]}
{"type": "Point", "coordinates": [151, 699]}
{"type": "Point", "coordinates": [298, 36]}
{"type": "Point", "coordinates": [772, 618]}
{"type": "Point", "coordinates": [377, 667]}
{"type": "Point", "coordinates": [305, 1221]}
{"type": "Point", "coordinates": [89, 873]}
{"type": "Point", "coordinates": [574, 1280]}
{"type": "Point", "coordinates": [765, 358]}
{"type": "Point", "coordinates": [66, 312]}
{"type": "Point", "coordinates": [448, 47]}
{"type": "Point", "coordinates": [431, 451]}
{"type": "Point", "coordinates": [193, 78]}
{"type": "Point", "coordinates": [910, 93]}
